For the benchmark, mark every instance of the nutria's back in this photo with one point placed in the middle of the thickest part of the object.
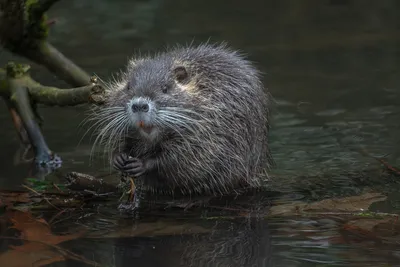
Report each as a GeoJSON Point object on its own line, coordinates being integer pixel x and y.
{"type": "Point", "coordinates": [192, 118]}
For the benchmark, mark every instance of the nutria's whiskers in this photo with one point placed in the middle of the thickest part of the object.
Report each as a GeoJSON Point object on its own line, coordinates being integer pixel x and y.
{"type": "Point", "coordinates": [109, 128]}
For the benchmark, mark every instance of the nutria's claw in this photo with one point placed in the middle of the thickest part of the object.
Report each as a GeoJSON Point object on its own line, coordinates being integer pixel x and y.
{"type": "Point", "coordinates": [120, 161]}
{"type": "Point", "coordinates": [134, 167]}
{"type": "Point", "coordinates": [129, 165]}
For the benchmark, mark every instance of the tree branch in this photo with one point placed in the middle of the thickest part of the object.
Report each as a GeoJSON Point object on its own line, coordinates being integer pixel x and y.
{"type": "Point", "coordinates": [47, 95]}
{"type": "Point", "coordinates": [24, 30]}
{"type": "Point", "coordinates": [52, 96]}
{"type": "Point", "coordinates": [19, 90]}
{"type": "Point", "coordinates": [48, 56]}
{"type": "Point", "coordinates": [25, 145]}
{"type": "Point", "coordinates": [20, 94]}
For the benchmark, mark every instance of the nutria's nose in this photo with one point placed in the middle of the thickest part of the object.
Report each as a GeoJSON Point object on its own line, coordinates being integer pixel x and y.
{"type": "Point", "coordinates": [140, 106]}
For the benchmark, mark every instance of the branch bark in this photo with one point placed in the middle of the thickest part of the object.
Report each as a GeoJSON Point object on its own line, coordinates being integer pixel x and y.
{"type": "Point", "coordinates": [23, 31]}
{"type": "Point", "coordinates": [20, 90]}
{"type": "Point", "coordinates": [48, 56]}
{"type": "Point", "coordinates": [25, 144]}
{"type": "Point", "coordinates": [48, 95]}
{"type": "Point", "coordinates": [84, 182]}
{"type": "Point", "coordinates": [20, 95]}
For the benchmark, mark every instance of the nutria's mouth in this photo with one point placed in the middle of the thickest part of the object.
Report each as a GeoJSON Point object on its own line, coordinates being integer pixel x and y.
{"type": "Point", "coordinates": [147, 128]}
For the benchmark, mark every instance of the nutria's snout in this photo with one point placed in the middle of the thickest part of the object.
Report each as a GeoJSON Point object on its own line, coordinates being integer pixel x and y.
{"type": "Point", "coordinates": [139, 106]}
{"type": "Point", "coordinates": [142, 114]}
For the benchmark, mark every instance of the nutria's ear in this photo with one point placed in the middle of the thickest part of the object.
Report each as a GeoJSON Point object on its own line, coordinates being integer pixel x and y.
{"type": "Point", "coordinates": [181, 74]}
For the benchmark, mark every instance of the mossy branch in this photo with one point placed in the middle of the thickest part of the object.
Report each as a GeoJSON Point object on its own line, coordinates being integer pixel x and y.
{"type": "Point", "coordinates": [47, 95]}
{"type": "Point", "coordinates": [21, 101]}
{"type": "Point", "coordinates": [24, 30]}
{"type": "Point", "coordinates": [52, 96]}
{"type": "Point", "coordinates": [48, 56]}
{"type": "Point", "coordinates": [21, 94]}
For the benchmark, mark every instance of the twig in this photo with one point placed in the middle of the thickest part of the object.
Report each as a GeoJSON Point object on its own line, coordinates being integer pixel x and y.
{"type": "Point", "coordinates": [56, 187]}
{"type": "Point", "coordinates": [388, 166]}
{"type": "Point", "coordinates": [132, 190]}
{"type": "Point", "coordinates": [45, 198]}
{"type": "Point", "coordinates": [364, 152]}
{"type": "Point", "coordinates": [81, 182]}
{"type": "Point", "coordinates": [56, 216]}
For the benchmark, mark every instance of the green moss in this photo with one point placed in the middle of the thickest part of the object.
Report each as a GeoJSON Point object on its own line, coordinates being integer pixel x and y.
{"type": "Point", "coordinates": [38, 28]}
{"type": "Point", "coordinates": [28, 6]}
{"type": "Point", "coordinates": [369, 214]}
{"type": "Point", "coordinates": [13, 98]}
{"type": "Point", "coordinates": [44, 26]}
{"type": "Point", "coordinates": [29, 3]}
{"type": "Point", "coordinates": [24, 27]}
{"type": "Point", "coordinates": [16, 70]}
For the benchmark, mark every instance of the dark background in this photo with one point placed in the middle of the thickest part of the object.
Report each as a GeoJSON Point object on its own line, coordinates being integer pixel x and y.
{"type": "Point", "coordinates": [328, 63]}
{"type": "Point", "coordinates": [332, 66]}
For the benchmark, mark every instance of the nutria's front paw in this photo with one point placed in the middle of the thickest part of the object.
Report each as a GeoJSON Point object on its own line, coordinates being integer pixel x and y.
{"type": "Point", "coordinates": [119, 161]}
{"type": "Point", "coordinates": [134, 167]}
{"type": "Point", "coordinates": [129, 165]}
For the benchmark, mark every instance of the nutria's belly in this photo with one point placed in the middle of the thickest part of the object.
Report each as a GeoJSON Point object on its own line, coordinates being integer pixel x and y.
{"type": "Point", "coordinates": [155, 180]}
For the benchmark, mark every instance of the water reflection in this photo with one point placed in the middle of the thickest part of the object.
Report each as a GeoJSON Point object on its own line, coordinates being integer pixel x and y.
{"type": "Point", "coordinates": [212, 243]}
{"type": "Point", "coordinates": [333, 69]}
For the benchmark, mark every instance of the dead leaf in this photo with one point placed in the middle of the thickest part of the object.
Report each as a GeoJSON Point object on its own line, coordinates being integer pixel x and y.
{"type": "Point", "coordinates": [14, 258]}
{"type": "Point", "coordinates": [346, 204]}
{"type": "Point", "coordinates": [37, 237]}
{"type": "Point", "coordinates": [387, 229]}
{"type": "Point", "coordinates": [10, 198]}
{"type": "Point", "coordinates": [35, 230]}
{"type": "Point", "coordinates": [355, 233]}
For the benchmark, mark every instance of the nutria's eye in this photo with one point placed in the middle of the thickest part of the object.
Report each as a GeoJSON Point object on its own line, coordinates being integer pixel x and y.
{"type": "Point", "coordinates": [165, 88]}
{"type": "Point", "coordinates": [180, 74]}
{"type": "Point", "coordinates": [128, 86]}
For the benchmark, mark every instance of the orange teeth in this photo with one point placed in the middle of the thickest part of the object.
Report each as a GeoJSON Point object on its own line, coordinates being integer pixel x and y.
{"type": "Point", "coordinates": [141, 124]}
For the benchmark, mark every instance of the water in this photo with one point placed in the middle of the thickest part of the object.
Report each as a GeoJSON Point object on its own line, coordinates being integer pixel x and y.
{"type": "Point", "coordinates": [332, 66]}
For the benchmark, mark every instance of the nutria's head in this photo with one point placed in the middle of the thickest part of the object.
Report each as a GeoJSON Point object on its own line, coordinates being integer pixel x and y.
{"type": "Point", "coordinates": [154, 99]}
{"type": "Point", "coordinates": [155, 91]}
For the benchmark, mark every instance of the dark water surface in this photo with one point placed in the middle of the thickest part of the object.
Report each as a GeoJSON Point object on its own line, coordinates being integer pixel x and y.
{"type": "Point", "coordinates": [332, 66]}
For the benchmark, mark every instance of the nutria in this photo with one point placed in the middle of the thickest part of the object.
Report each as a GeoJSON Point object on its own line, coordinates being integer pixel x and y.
{"type": "Point", "coordinates": [193, 119]}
